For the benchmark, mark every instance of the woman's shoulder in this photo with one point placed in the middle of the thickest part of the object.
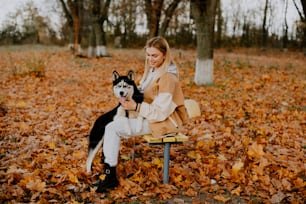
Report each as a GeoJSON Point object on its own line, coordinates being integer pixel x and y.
{"type": "Point", "coordinates": [168, 76]}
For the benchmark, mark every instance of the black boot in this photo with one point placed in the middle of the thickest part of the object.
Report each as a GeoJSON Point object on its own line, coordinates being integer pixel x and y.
{"type": "Point", "coordinates": [110, 180]}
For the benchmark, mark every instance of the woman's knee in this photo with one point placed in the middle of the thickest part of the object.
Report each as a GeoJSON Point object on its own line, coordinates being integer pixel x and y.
{"type": "Point", "coordinates": [110, 127]}
{"type": "Point", "coordinates": [113, 126]}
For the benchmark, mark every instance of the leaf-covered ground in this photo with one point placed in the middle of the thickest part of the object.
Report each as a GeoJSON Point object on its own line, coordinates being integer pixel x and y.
{"type": "Point", "coordinates": [248, 146]}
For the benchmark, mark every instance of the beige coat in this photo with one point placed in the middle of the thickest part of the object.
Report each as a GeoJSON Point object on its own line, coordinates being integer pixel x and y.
{"type": "Point", "coordinates": [163, 105]}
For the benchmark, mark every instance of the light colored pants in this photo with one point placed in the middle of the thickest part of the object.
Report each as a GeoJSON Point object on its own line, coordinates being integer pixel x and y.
{"type": "Point", "coordinates": [114, 131]}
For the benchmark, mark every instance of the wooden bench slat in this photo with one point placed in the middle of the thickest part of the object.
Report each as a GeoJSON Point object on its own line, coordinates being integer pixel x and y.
{"type": "Point", "coordinates": [179, 137]}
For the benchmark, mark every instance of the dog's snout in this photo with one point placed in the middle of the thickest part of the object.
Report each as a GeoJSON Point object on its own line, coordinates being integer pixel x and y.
{"type": "Point", "coordinates": [121, 93]}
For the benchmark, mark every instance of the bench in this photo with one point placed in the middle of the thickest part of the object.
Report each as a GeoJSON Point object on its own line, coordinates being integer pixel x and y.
{"type": "Point", "coordinates": [193, 110]}
{"type": "Point", "coordinates": [167, 140]}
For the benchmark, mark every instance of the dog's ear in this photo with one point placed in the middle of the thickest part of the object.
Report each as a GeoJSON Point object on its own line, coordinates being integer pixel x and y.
{"type": "Point", "coordinates": [116, 75]}
{"type": "Point", "coordinates": [131, 75]}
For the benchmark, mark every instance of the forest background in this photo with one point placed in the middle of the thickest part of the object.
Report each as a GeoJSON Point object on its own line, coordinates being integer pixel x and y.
{"type": "Point", "coordinates": [238, 23]}
{"type": "Point", "coordinates": [248, 145]}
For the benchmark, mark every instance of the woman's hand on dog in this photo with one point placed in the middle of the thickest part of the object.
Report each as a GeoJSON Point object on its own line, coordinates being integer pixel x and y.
{"type": "Point", "coordinates": [128, 104]}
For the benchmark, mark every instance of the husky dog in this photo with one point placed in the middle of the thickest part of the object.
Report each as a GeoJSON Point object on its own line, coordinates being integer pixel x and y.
{"type": "Point", "coordinates": [124, 88]}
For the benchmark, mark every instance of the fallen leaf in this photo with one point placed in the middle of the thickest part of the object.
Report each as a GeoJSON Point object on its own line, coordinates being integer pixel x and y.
{"type": "Point", "coordinates": [255, 150]}
{"type": "Point", "coordinates": [36, 185]}
{"type": "Point", "coordinates": [278, 197]}
{"type": "Point", "coordinates": [221, 198]}
{"type": "Point", "coordinates": [237, 167]}
{"type": "Point", "coordinates": [237, 191]}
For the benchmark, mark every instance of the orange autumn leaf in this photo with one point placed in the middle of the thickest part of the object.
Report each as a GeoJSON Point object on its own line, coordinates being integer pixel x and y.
{"type": "Point", "coordinates": [137, 176]}
{"type": "Point", "coordinates": [51, 145]}
{"type": "Point", "coordinates": [237, 167]}
{"type": "Point", "coordinates": [72, 177]}
{"type": "Point", "coordinates": [178, 179]}
{"type": "Point", "coordinates": [21, 104]}
{"type": "Point", "coordinates": [190, 192]}
{"type": "Point", "coordinates": [255, 150]}
{"type": "Point", "coordinates": [237, 191]}
{"type": "Point", "coordinates": [158, 162]}
{"type": "Point", "coordinates": [36, 185]}
{"type": "Point", "coordinates": [221, 198]}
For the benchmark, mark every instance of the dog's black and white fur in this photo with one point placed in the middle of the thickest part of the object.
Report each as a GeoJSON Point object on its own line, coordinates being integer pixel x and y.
{"type": "Point", "coordinates": [123, 87]}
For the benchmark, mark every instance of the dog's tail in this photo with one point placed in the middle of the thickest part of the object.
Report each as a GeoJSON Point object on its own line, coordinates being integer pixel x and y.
{"type": "Point", "coordinates": [91, 155]}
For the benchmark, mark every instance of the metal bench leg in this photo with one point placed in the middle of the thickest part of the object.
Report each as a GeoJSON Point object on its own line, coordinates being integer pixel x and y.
{"type": "Point", "coordinates": [166, 162]}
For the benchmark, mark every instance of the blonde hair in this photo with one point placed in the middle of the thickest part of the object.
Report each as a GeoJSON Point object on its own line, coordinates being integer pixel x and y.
{"type": "Point", "coordinates": [162, 45]}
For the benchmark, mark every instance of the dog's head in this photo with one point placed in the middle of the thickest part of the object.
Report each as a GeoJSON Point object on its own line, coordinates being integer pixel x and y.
{"type": "Point", "coordinates": [123, 85]}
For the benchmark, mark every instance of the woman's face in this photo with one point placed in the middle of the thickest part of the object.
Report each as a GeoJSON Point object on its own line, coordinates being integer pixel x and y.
{"type": "Point", "coordinates": [155, 57]}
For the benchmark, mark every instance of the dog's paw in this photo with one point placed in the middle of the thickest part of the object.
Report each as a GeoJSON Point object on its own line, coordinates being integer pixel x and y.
{"type": "Point", "coordinates": [139, 124]}
{"type": "Point", "coordinates": [138, 128]}
{"type": "Point", "coordinates": [127, 130]}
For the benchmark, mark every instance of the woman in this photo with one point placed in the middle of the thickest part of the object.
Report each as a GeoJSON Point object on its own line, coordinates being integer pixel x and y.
{"type": "Point", "coordinates": [163, 107]}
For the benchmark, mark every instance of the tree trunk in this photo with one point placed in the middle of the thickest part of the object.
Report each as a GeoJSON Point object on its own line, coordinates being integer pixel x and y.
{"type": "Point", "coordinates": [69, 19]}
{"type": "Point", "coordinates": [74, 19]}
{"type": "Point", "coordinates": [101, 37]}
{"type": "Point", "coordinates": [219, 24]}
{"type": "Point", "coordinates": [91, 52]}
{"type": "Point", "coordinates": [264, 29]}
{"type": "Point", "coordinates": [203, 13]}
{"type": "Point", "coordinates": [76, 26]}
{"type": "Point", "coordinates": [168, 15]}
{"type": "Point", "coordinates": [96, 38]}
{"type": "Point", "coordinates": [153, 12]}
{"type": "Point", "coordinates": [245, 38]}
{"type": "Point", "coordinates": [285, 28]}
{"type": "Point", "coordinates": [98, 41]}
{"type": "Point", "coordinates": [302, 25]}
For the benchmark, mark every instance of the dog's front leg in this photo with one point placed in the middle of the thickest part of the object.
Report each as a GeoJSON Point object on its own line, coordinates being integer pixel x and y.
{"type": "Point", "coordinates": [124, 120]}
{"type": "Point", "coordinates": [139, 124]}
{"type": "Point", "coordinates": [120, 113]}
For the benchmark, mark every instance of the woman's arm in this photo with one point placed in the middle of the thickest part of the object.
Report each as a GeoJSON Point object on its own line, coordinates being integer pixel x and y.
{"type": "Point", "coordinates": [162, 105]}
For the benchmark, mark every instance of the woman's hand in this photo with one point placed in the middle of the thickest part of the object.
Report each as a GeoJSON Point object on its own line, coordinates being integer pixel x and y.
{"type": "Point", "coordinates": [129, 104]}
